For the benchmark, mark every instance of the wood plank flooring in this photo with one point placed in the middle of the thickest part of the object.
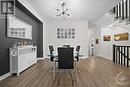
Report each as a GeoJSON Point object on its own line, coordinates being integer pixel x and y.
{"type": "Point", "coordinates": [94, 72]}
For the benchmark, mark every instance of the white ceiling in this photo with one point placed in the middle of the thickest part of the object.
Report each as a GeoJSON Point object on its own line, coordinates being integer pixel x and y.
{"type": "Point", "coordinates": [90, 10]}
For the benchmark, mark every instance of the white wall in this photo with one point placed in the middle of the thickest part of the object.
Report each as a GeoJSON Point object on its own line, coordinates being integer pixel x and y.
{"type": "Point", "coordinates": [104, 48]}
{"type": "Point", "coordinates": [81, 35]}
{"type": "Point", "coordinates": [106, 26]}
{"type": "Point", "coordinates": [95, 33]}
{"type": "Point", "coordinates": [29, 7]}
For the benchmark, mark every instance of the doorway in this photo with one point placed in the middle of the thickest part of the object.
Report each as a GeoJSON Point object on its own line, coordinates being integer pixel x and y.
{"type": "Point", "coordinates": [91, 47]}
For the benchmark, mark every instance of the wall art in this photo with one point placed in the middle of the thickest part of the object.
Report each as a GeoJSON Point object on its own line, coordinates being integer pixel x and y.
{"type": "Point", "coordinates": [121, 37]}
{"type": "Point", "coordinates": [97, 41]}
{"type": "Point", "coordinates": [66, 33]}
{"type": "Point", "coordinates": [107, 38]}
{"type": "Point", "coordinates": [18, 28]}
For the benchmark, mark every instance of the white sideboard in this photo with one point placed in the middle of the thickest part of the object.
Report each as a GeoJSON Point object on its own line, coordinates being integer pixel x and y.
{"type": "Point", "coordinates": [22, 58]}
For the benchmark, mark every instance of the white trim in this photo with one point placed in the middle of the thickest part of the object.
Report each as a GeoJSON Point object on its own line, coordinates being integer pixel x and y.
{"type": "Point", "coordinates": [29, 7]}
{"type": "Point", "coordinates": [105, 57]}
{"type": "Point", "coordinates": [84, 57]}
{"type": "Point", "coordinates": [4, 76]}
{"type": "Point", "coordinates": [40, 59]}
{"type": "Point", "coordinates": [46, 57]}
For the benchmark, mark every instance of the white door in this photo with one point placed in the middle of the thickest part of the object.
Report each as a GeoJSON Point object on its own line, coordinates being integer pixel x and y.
{"type": "Point", "coordinates": [91, 47]}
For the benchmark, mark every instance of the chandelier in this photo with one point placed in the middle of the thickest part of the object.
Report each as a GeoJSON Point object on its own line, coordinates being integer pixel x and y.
{"type": "Point", "coordinates": [63, 12]}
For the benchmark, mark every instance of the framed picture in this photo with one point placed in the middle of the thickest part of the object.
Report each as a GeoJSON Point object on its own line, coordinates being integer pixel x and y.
{"type": "Point", "coordinates": [97, 41]}
{"type": "Point", "coordinates": [18, 28]}
{"type": "Point", "coordinates": [121, 37]}
{"type": "Point", "coordinates": [64, 33]}
{"type": "Point", "coordinates": [107, 38]}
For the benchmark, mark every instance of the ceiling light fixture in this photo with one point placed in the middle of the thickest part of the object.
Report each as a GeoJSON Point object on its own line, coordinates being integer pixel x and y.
{"type": "Point", "coordinates": [63, 12]}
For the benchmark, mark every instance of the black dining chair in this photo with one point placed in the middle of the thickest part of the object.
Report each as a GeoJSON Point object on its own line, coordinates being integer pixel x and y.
{"type": "Point", "coordinates": [77, 48]}
{"type": "Point", "coordinates": [53, 57]}
{"type": "Point", "coordinates": [66, 46]}
{"type": "Point", "coordinates": [77, 53]}
{"type": "Point", "coordinates": [51, 53]}
{"type": "Point", "coordinates": [65, 58]}
{"type": "Point", "coordinates": [65, 62]}
{"type": "Point", "coordinates": [76, 58]}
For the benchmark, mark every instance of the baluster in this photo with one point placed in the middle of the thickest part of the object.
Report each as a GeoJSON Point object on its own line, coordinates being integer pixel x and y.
{"type": "Point", "coordinates": [116, 53]}
{"type": "Point", "coordinates": [122, 10]}
{"type": "Point", "coordinates": [127, 56]}
{"type": "Point", "coordinates": [116, 16]}
{"type": "Point", "coordinates": [128, 10]}
{"type": "Point", "coordinates": [121, 55]}
{"type": "Point", "coordinates": [119, 10]}
{"type": "Point", "coordinates": [125, 10]}
{"type": "Point", "coordinates": [124, 55]}
{"type": "Point", "coordinates": [114, 10]}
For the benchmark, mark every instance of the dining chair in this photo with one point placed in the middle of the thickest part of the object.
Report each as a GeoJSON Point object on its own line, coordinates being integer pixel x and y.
{"type": "Point", "coordinates": [67, 46]}
{"type": "Point", "coordinates": [51, 53]}
{"type": "Point", "coordinates": [66, 62]}
{"type": "Point", "coordinates": [65, 58]}
{"type": "Point", "coordinates": [77, 53]}
{"type": "Point", "coordinates": [76, 58]}
{"type": "Point", "coordinates": [78, 48]}
{"type": "Point", "coordinates": [53, 58]}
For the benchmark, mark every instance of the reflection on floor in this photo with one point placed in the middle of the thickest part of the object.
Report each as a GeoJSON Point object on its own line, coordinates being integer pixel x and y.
{"type": "Point", "coordinates": [94, 72]}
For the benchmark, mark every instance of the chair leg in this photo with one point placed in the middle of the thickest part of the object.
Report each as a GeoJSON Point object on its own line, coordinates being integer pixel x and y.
{"type": "Point", "coordinates": [76, 67]}
{"type": "Point", "coordinates": [50, 70]}
{"type": "Point", "coordinates": [73, 77]}
{"type": "Point", "coordinates": [54, 70]}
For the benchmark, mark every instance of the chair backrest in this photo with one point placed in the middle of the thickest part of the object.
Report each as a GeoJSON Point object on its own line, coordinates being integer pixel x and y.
{"type": "Point", "coordinates": [67, 46]}
{"type": "Point", "coordinates": [77, 48]}
{"type": "Point", "coordinates": [51, 53]}
{"type": "Point", "coordinates": [77, 54]}
{"type": "Point", "coordinates": [51, 48]}
{"type": "Point", "coordinates": [65, 58]}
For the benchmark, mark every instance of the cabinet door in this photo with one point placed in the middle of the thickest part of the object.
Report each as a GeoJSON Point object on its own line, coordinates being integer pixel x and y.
{"type": "Point", "coordinates": [22, 63]}
{"type": "Point", "coordinates": [25, 61]}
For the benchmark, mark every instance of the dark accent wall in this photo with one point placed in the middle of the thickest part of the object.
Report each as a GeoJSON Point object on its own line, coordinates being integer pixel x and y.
{"type": "Point", "coordinates": [6, 42]}
{"type": "Point", "coordinates": [37, 30]}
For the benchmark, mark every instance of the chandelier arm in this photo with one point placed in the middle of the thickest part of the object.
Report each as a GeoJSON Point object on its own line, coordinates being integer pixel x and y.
{"type": "Point", "coordinates": [58, 10]}
{"type": "Point", "coordinates": [67, 14]}
{"type": "Point", "coordinates": [66, 10]}
{"type": "Point", "coordinates": [63, 6]}
{"type": "Point", "coordinates": [59, 14]}
{"type": "Point", "coordinates": [63, 16]}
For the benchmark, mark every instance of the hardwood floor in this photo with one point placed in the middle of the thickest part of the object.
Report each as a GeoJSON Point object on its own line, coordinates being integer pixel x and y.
{"type": "Point", "coordinates": [94, 72]}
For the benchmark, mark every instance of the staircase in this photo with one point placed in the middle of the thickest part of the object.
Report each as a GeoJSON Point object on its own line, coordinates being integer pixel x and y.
{"type": "Point", "coordinates": [121, 55]}
{"type": "Point", "coordinates": [121, 12]}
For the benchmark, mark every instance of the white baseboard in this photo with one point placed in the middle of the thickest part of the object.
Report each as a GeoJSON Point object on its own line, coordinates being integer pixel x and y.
{"type": "Point", "coordinates": [40, 58]}
{"type": "Point", "coordinates": [4, 76]}
{"type": "Point", "coordinates": [105, 57]}
{"type": "Point", "coordinates": [46, 57]}
{"type": "Point", "coordinates": [84, 57]}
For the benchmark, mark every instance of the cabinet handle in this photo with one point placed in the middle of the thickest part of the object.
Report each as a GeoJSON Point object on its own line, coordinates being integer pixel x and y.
{"type": "Point", "coordinates": [33, 49]}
